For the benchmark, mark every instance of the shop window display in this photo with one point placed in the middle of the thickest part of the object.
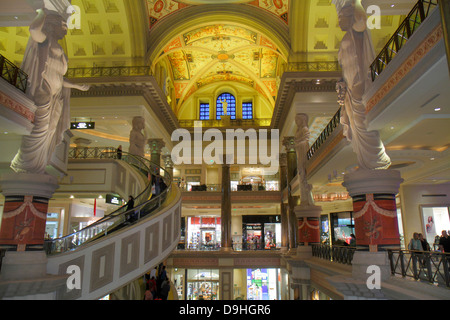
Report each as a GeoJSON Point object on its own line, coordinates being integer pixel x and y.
{"type": "Point", "coordinates": [203, 233]}
{"type": "Point", "coordinates": [202, 284]}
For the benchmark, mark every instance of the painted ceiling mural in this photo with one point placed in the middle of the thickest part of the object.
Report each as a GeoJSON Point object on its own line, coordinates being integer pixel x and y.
{"type": "Point", "coordinates": [222, 52]}
{"type": "Point", "coordinates": [159, 9]}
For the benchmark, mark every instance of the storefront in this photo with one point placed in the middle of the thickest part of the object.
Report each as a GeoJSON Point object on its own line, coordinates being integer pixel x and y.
{"type": "Point", "coordinates": [435, 219]}
{"type": "Point", "coordinates": [202, 284]}
{"type": "Point", "coordinates": [324, 230]}
{"type": "Point", "coordinates": [203, 233]}
{"type": "Point", "coordinates": [342, 226]}
{"type": "Point", "coordinates": [261, 232]}
{"type": "Point", "coordinates": [262, 284]}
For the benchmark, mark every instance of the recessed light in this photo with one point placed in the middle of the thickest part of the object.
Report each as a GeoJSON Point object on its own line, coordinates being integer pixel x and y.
{"type": "Point", "coordinates": [392, 128]}
{"type": "Point", "coordinates": [71, 197]}
{"type": "Point", "coordinates": [437, 109]}
{"type": "Point", "coordinates": [431, 159]}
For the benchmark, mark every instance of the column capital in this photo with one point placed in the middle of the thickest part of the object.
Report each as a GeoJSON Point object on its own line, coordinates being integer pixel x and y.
{"type": "Point", "coordinates": [156, 145]}
{"type": "Point", "coordinates": [167, 158]}
{"type": "Point", "coordinates": [289, 143]}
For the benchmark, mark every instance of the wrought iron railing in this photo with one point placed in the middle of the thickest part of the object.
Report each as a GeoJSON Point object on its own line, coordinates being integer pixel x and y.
{"type": "Point", "coordinates": [428, 266]}
{"type": "Point", "coordinates": [312, 66]}
{"type": "Point", "coordinates": [13, 74]}
{"type": "Point", "coordinates": [108, 72]}
{"type": "Point", "coordinates": [263, 122]}
{"type": "Point", "coordinates": [145, 204]}
{"type": "Point", "coordinates": [340, 254]}
{"type": "Point", "coordinates": [331, 126]}
{"type": "Point", "coordinates": [415, 18]}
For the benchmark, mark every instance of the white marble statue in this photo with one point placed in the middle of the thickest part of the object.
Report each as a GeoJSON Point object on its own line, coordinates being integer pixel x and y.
{"type": "Point", "coordinates": [45, 63]}
{"type": "Point", "coordinates": [137, 138]}
{"type": "Point", "coordinates": [301, 139]}
{"type": "Point", "coordinates": [356, 53]}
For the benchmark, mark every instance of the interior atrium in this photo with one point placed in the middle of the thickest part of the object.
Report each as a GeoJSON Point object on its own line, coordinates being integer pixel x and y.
{"type": "Point", "coordinates": [211, 95]}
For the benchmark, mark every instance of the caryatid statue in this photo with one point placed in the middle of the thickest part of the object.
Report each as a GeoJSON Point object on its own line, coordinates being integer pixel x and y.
{"type": "Point", "coordinates": [301, 139]}
{"type": "Point", "coordinates": [137, 137]}
{"type": "Point", "coordinates": [46, 64]}
{"type": "Point", "coordinates": [356, 54]}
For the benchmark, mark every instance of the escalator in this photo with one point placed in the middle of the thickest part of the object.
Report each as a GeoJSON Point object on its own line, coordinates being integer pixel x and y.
{"type": "Point", "coordinates": [123, 245]}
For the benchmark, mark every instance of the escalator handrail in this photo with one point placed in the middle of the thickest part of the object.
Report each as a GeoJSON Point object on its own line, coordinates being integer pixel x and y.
{"type": "Point", "coordinates": [118, 214]}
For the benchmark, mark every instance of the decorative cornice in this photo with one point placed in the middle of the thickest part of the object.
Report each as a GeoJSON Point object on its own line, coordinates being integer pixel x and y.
{"type": "Point", "coordinates": [293, 82]}
{"type": "Point", "coordinates": [145, 87]}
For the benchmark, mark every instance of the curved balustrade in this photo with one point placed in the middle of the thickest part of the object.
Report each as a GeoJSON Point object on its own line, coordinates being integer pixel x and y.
{"type": "Point", "coordinates": [145, 203]}
{"type": "Point", "coordinates": [333, 124]}
{"type": "Point", "coordinates": [415, 18]}
{"type": "Point", "coordinates": [340, 254]}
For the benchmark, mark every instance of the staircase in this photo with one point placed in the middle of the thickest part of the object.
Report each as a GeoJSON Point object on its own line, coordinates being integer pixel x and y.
{"type": "Point", "coordinates": [115, 250]}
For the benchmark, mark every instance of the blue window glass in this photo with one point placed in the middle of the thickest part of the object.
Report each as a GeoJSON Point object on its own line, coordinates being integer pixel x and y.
{"type": "Point", "coordinates": [247, 110]}
{"type": "Point", "coordinates": [204, 111]}
{"type": "Point", "coordinates": [230, 105]}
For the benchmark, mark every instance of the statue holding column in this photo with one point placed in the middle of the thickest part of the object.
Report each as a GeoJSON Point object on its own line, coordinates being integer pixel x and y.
{"type": "Point", "coordinates": [45, 63]}
{"type": "Point", "coordinates": [302, 146]}
{"type": "Point", "coordinates": [356, 53]}
{"type": "Point", "coordinates": [137, 138]}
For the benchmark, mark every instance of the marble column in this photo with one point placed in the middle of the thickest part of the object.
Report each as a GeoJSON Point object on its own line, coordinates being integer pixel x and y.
{"type": "Point", "coordinates": [168, 164]}
{"type": "Point", "coordinates": [156, 146]}
{"type": "Point", "coordinates": [291, 159]}
{"type": "Point", "coordinates": [226, 209]}
{"type": "Point", "coordinates": [283, 206]}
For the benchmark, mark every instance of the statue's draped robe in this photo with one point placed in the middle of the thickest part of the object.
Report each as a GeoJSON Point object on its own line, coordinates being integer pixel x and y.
{"type": "Point", "coordinates": [45, 63]}
{"type": "Point", "coordinates": [355, 56]}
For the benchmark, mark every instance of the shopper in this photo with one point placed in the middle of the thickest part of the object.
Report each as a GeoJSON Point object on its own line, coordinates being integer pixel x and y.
{"type": "Point", "coordinates": [415, 243]}
{"type": "Point", "coordinates": [424, 242]}
{"type": "Point", "coordinates": [444, 242]}
{"type": "Point", "coordinates": [148, 294]}
{"type": "Point", "coordinates": [165, 289]}
{"type": "Point", "coordinates": [119, 152]}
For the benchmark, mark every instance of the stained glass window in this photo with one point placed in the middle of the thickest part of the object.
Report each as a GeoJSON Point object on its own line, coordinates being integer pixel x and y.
{"type": "Point", "coordinates": [247, 110]}
{"type": "Point", "coordinates": [204, 111]}
{"type": "Point", "coordinates": [230, 106]}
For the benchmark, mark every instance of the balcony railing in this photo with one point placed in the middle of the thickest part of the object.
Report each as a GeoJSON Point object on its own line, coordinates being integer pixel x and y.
{"type": "Point", "coordinates": [108, 72]}
{"type": "Point", "coordinates": [264, 122]}
{"type": "Point", "coordinates": [13, 74]}
{"type": "Point", "coordinates": [339, 254]}
{"type": "Point", "coordinates": [145, 203]}
{"type": "Point", "coordinates": [415, 18]}
{"type": "Point", "coordinates": [313, 66]}
{"type": "Point", "coordinates": [432, 267]}
{"type": "Point", "coordinates": [331, 126]}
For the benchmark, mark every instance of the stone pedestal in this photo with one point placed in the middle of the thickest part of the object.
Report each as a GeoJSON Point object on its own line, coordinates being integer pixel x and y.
{"type": "Point", "coordinates": [25, 212]}
{"type": "Point", "coordinates": [226, 120]}
{"type": "Point", "coordinates": [24, 266]}
{"type": "Point", "coordinates": [308, 229]}
{"type": "Point", "coordinates": [374, 208]}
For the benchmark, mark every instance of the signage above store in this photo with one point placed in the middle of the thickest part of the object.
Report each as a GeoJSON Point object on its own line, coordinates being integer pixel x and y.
{"type": "Point", "coordinates": [110, 198]}
{"type": "Point", "coordinates": [82, 125]}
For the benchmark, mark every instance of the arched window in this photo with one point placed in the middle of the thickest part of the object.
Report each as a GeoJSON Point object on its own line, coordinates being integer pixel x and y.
{"type": "Point", "coordinates": [229, 101]}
